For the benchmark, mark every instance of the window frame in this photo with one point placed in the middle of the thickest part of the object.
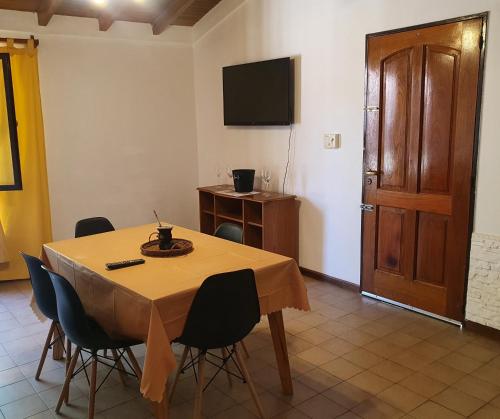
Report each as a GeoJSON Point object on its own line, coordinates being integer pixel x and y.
{"type": "Point", "coordinates": [11, 117]}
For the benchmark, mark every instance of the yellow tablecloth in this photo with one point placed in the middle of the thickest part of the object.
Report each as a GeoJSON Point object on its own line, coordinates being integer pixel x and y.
{"type": "Point", "coordinates": [151, 301]}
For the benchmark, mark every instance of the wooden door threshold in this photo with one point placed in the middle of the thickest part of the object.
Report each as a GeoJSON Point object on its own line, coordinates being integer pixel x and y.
{"type": "Point", "coordinates": [411, 308]}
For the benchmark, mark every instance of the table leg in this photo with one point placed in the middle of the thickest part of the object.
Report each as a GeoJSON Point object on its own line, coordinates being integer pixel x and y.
{"type": "Point", "coordinates": [160, 409]}
{"type": "Point", "coordinates": [58, 347]}
{"type": "Point", "coordinates": [279, 341]}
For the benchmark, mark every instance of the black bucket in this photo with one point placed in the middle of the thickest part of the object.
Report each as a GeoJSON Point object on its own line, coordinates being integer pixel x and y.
{"type": "Point", "coordinates": [243, 180]}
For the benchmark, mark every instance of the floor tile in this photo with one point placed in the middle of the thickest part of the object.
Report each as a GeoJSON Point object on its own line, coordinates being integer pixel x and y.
{"type": "Point", "coordinates": [423, 385]}
{"type": "Point", "coordinates": [366, 358]}
{"type": "Point", "coordinates": [478, 388]}
{"type": "Point", "coordinates": [341, 368]}
{"type": "Point", "coordinates": [458, 401]}
{"type": "Point", "coordinates": [383, 348]}
{"type": "Point", "coordinates": [370, 382]}
{"type": "Point", "coordinates": [347, 395]}
{"type": "Point", "coordinates": [12, 375]}
{"type": "Point", "coordinates": [316, 356]}
{"type": "Point", "coordinates": [315, 336]}
{"type": "Point", "coordinates": [391, 371]}
{"type": "Point", "coordinates": [375, 408]}
{"type": "Point", "coordinates": [487, 412]}
{"type": "Point", "coordinates": [401, 398]}
{"type": "Point", "coordinates": [477, 352]}
{"type": "Point", "coordinates": [301, 393]}
{"type": "Point", "coordinates": [487, 373]}
{"type": "Point", "coordinates": [442, 372]}
{"type": "Point", "coordinates": [431, 410]}
{"type": "Point", "coordinates": [23, 408]}
{"type": "Point", "coordinates": [363, 358]}
{"type": "Point", "coordinates": [318, 379]}
{"type": "Point", "coordinates": [338, 346]}
{"type": "Point", "coordinates": [320, 407]}
{"type": "Point", "coordinates": [460, 362]}
{"type": "Point", "coordinates": [15, 391]}
{"type": "Point", "coordinates": [237, 411]}
{"type": "Point", "coordinates": [271, 405]}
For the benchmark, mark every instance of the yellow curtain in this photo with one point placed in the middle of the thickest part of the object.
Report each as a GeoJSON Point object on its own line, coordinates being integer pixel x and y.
{"type": "Point", "coordinates": [25, 214]}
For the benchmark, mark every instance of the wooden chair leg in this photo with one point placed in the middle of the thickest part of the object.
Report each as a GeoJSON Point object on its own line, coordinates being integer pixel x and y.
{"type": "Point", "coordinates": [178, 373]}
{"type": "Point", "coordinates": [93, 379]}
{"type": "Point", "coordinates": [198, 402]}
{"type": "Point", "coordinates": [68, 360]}
{"type": "Point", "coordinates": [69, 373]}
{"type": "Point", "coordinates": [246, 375]}
{"type": "Point", "coordinates": [119, 365]}
{"type": "Point", "coordinates": [225, 355]}
{"type": "Point", "coordinates": [68, 352]}
{"type": "Point", "coordinates": [247, 354]}
{"type": "Point", "coordinates": [135, 364]}
{"type": "Point", "coordinates": [45, 350]}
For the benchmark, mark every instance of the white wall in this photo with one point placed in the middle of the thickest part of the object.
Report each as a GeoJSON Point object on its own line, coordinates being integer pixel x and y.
{"type": "Point", "coordinates": [119, 120]}
{"type": "Point", "coordinates": [328, 39]}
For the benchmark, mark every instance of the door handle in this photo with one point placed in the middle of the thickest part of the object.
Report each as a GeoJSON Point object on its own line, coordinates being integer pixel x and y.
{"type": "Point", "coordinates": [372, 173]}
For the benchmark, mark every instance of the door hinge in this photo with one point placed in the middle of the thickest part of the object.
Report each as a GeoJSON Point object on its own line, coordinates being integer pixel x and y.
{"type": "Point", "coordinates": [372, 109]}
{"type": "Point", "coordinates": [367, 207]}
{"type": "Point", "coordinates": [481, 42]}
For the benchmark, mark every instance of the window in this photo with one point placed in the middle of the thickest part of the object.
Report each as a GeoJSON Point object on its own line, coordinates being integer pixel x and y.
{"type": "Point", "coordinates": [10, 167]}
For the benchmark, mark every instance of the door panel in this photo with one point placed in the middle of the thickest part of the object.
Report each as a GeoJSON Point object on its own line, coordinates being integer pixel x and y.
{"type": "Point", "coordinates": [396, 95]}
{"type": "Point", "coordinates": [440, 84]}
{"type": "Point", "coordinates": [431, 248]}
{"type": "Point", "coordinates": [422, 93]}
{"type": "Point", "coordinates": [390, 239]}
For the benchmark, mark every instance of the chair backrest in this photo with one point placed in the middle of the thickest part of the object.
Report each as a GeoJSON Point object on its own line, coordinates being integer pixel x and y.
{"type": "Point", "coordinates": [224, 310]}
{"type": "Point", "coordinates": [43, 289]}
{"type": "Point", "coordinates": [94, 225]}
{"type": "Point", "coordinates": [230, 231]}
{"type": "Point", "coordinates": [71, 313]}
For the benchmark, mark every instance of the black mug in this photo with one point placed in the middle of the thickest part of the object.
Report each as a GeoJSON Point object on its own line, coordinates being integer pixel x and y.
{"type": "Point", "coordinates": [164, 235]}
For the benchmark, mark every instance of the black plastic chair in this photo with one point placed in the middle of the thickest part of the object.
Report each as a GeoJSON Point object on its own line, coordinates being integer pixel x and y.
{"type": "Point", "coordinates": [45, 298]}
{"type": "Point", "coordinates": [91, 226]}
{"type": "Point", "coordinates": [230, 231]}
{"type": "Point", "coordinates": [88, 337]}
{"type": "Point", "coordinates": [224, 311]}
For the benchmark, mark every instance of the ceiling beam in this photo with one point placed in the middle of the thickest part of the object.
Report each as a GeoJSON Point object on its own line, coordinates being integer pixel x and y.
{"type": "Point", "coordinates": [174, 9]}
{"type": "Point", "coordinates": [46, 10]}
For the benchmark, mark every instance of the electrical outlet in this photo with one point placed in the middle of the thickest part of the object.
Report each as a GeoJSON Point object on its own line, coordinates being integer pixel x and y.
{"type": "Point", "coordinates": [331, 141]}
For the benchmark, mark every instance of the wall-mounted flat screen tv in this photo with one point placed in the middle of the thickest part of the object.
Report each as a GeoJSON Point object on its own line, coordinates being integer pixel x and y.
{"type": "Point", "coordinates": [259, 93]}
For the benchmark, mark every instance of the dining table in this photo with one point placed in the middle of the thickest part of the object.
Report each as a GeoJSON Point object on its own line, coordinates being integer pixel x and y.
{"type": "Point", "coordinates": [150, 302]}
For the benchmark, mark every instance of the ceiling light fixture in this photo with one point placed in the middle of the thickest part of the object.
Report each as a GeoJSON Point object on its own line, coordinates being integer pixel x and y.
{"type": "Point", "coordinates": [100, 3]}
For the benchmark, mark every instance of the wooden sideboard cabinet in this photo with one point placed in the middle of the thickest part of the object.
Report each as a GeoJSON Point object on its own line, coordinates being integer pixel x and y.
{"type": "Point", "coordinates": [270, 220]}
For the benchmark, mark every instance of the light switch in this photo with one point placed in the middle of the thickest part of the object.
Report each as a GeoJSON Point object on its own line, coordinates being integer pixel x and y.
{"type": "Point", "coordinates": [331, 141]}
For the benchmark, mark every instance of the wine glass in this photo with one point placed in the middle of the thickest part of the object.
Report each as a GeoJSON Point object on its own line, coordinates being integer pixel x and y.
{"type": "Point", "coordinates": [218, 172]}
{"type": "Point", "coordinates": [266, 178]}
{"type": "Point", "coordinates": [229, 173]}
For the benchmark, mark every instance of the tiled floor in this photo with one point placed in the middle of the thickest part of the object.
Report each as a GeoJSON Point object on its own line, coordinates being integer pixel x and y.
{"type": "Point", "coordinates": [351, 357]}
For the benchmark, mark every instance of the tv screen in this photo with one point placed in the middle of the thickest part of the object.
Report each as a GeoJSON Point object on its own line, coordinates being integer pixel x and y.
{"type": "Point", "coordinates": [259, 93]}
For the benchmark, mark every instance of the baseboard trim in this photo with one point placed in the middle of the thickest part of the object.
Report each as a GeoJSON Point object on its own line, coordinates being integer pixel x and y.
{"type": "Point", "coordinates": [481, 329]}
{"type": "Point", "coordinates": [324, 277]}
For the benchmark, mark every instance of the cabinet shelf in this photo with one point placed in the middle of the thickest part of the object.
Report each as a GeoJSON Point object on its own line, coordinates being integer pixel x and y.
{"type": "Point", "coordinates": [230, 217]}
{"type": "Point", "coordinates": [251, 223]}
{"type": "Point", "coordinates": [270, 221]}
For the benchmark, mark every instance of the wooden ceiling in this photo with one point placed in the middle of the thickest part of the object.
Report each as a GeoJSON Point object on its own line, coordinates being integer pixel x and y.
{"type": "Point", "coordinates": [159, 13]}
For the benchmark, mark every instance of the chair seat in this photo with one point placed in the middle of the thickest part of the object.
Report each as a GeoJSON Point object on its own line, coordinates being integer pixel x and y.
{"type": "Point", "coordinates": [100, 340]}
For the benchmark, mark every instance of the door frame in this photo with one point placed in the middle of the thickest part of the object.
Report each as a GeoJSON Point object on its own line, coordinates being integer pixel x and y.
{"type": "Point", "coordinates": [484, 16]}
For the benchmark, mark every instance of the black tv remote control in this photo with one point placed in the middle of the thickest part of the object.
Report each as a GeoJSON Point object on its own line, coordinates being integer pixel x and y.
{"type": "Point", "coordinates": [123, 264]}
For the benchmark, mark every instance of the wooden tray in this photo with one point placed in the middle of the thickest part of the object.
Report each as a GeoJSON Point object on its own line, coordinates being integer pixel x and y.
{"type": "Point", "coordinates": [180, 247]}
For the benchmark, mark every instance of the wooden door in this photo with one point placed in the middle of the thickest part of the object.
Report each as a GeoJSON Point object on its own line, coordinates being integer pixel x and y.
{"type": "Point", "coordinates": [421, 97]}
